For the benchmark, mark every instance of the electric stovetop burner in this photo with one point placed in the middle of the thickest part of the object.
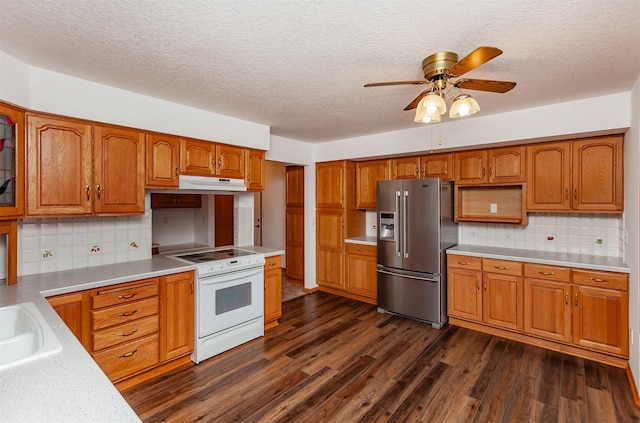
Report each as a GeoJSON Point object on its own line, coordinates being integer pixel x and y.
{"type": "Point", "coordinates": [215, 255]}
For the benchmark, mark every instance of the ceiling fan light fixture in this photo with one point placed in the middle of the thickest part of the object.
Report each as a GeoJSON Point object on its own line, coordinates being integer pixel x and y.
{"type": "Point", "coordinates": [463, 105]}
{"type": "Point", "coordinates": [430, 108]}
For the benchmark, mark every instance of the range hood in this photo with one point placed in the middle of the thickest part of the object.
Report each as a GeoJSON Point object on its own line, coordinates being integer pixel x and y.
{"type": "Point", "coordinates": [207, 183]}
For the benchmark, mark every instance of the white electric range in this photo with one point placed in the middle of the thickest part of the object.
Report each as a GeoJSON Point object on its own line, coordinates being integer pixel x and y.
{"type": "Point", "coordinates": [229, 301]}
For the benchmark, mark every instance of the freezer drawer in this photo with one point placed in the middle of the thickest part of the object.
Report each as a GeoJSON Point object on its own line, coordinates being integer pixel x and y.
{"type": "Point", "coordinates": [412, 294]}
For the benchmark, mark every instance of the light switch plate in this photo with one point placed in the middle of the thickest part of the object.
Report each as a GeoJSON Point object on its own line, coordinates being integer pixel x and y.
{"type": "Point", "coordinates": [494, 208]}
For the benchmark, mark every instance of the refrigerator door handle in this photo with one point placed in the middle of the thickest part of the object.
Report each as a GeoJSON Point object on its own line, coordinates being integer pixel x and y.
{"type": "Point", "coordinates": [405, 215]}
{"type": "Point", "coordinates": [395, 224]}
{"type": "Point", "coordinates": [406, 276]}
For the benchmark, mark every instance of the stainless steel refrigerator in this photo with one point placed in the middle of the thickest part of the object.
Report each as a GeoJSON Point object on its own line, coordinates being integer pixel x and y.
{"type": "Point", "coordinates": [415, 227]}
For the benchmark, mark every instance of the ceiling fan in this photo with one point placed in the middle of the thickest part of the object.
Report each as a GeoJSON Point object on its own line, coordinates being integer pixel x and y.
{"type": "Point", "coordinates": [443, 69]}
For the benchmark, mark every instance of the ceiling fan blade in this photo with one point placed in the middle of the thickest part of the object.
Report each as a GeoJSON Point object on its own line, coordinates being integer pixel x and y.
{"type": "Point", "coordinates": [474, 59]}
{"type": "Point", "coordinates": [416, 100]}
{"type": "Point", "coordinates": [382, 84]}
{"type": "Point", "coordinates": [485, 85]}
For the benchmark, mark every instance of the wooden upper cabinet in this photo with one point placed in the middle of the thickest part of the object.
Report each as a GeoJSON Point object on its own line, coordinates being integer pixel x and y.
{"type": "Point", "coordinates": [12, 162]}
{"type": "Point", "coordinates": [197, 158]}
{"type": "Point", "coordinates": [598, 174]}
{"type": "Point", "coordinates": [59, 171]}
{"type": "Point", "coordinates": [119, 170]}
{"type": "Point", "coordinates": [580, 175]}
{"type": "Point", "coordinates": [163, 161]}
{"type": "Point", "coordinates": [230, 161]}
{"type": "Point", "coordinates": [507, 165]}
{"type": "Point", "coordinates": [330, 184]}
{"type": "Point", "coordinates": [295, 186]}
{"type": "Point", "coordinates": [405, 168]}
{"type": "Point", "coordinates": [549, 176]}
{"type": "Point", "coordinates": [367, 175]}
{"type": "Point", "coordinates": [437, 166]}
{"type": "Point", "coordinates": [471, 167]}
{"type": "Point", "coordinates": [255, 175]}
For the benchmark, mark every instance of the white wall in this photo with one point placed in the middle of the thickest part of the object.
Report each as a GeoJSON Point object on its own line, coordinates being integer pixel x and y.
{"type": "Point", "coordinates": [14, 80]}
{"type": "Point", "coordinates": [632, 224]}
{"type": "Point", "coordinates": [273, 208]}
{"type": "Point", "coordinates": [556, 121]}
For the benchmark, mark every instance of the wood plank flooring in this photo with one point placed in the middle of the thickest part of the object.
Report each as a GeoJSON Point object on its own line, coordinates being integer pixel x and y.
{"type": "Point", "coordinates": [337, 360]}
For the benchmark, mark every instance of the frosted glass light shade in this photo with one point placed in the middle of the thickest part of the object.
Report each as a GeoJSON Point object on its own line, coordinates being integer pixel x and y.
{"type": "Point", "coordinates": [463, 105]}
{"type": "Point", "coordinates": [429, 109]}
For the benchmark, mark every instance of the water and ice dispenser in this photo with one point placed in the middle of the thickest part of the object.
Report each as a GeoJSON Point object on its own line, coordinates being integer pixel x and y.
{"type": "Point", "coordinates": [386, 222]}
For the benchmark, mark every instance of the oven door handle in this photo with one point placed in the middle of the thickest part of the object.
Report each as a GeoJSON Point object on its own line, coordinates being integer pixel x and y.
{"type": "Point", "coordinates": [230, 276]}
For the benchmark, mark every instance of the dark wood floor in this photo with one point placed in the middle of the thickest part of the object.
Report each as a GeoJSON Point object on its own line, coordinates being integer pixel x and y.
{"type": "Point", "coordinates": [337, 360]}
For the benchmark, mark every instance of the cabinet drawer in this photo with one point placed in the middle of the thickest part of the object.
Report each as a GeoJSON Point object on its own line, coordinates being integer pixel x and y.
{"type": "Point", "coordinates": [363, 250]}
{"type": "Point", "coordinates": [502, 267]}
{"type": "Point", "coordinates": [273, 262]}
{"type": "Point", "coordinates": [464, 262]}
{"type": "Point", "coordinates": [601, 279]}
{"type": "Point", "coordinates": [126, 359]}
{"type": "Point", "coordinates": [124, 313]}
{"type": "Point", "coordinates": [125, 332]}
{"type": "Point", "coordinates": [124, 293]}
{"type": "Point", "coordinates": [549, 273]}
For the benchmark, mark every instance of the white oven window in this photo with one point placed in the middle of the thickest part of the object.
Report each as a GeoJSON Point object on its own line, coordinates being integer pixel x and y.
{"type": "Point", "coordinates": [233, 298]}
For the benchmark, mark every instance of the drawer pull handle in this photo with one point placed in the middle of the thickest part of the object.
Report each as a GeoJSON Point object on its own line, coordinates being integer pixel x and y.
{"type": "Point", "coordinates": [501, 267]}
{"type": "Point", "coordinates": [360, 250]}
{"type": "Point", "coordinates": [129, 354]}
{"type": "Point", "coordinates": [128, 334]}
{"type": "Point", "coordinates": [272, 264]}
{"type": "Point", "coordinates": [126, 297]}
{"type": "Point", "coordinates": [464, 263]}
{"type": "Point", "coordinates": [547, 273]}
{"type": "Point", "coordinates": [127, 314]}
{"type": "Point", "coordinates": [599, 280]}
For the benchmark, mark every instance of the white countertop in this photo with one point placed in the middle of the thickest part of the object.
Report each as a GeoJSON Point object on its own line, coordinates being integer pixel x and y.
{"type": "Point", "coordinates": [581, 261]}
{"type": "Point", "coordinates": [69, 386]}
{"type": "Point", "coordinates": [364, 240]}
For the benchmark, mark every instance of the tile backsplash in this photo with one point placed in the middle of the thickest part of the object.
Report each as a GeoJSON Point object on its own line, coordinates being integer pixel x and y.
{"type": "Point", "coordinates": [600, 235]}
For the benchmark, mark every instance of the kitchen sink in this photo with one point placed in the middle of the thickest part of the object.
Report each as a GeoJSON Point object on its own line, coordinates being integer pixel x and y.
{"type": "Point", "coordinates": [24, 335]}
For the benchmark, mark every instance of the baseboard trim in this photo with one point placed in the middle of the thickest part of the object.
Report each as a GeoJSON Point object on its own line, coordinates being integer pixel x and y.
{"type": "Point", "coordinates": [634, 388]}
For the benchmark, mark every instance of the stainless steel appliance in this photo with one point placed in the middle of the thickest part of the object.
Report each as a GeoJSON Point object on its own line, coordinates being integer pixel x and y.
{"type": "Point", "coordinates": [415, 227]}
{"type": "Point", "coordinates": [229, 301]}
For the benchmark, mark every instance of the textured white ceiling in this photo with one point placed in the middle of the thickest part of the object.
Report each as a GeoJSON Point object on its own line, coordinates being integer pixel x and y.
{"type": "Point", "coordinates": [299, 66]}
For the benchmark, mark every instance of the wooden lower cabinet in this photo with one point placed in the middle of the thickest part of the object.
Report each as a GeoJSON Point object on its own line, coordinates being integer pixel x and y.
{"type": "Point", "coordinates": [360, 267]}
{"type": "Point", "coordinates": [272, 291]}
{"type": "Point", "coordinates": [576, 311]}
{"type": "Point", "coordinates": [134, 330]}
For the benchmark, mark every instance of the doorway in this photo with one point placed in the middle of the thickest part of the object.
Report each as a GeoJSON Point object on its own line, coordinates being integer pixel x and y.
{"type": "Point", "coordinates": [223, 224]}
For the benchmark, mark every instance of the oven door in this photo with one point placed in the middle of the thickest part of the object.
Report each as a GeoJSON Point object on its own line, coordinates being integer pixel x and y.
{"type": "Point", "coordinates": [229, 299]}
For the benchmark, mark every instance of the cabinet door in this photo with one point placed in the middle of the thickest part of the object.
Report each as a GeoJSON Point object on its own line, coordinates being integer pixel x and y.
{"type": "Point", "coordinates": [163, 160]}
{"type": "Point", "coordinates": [295, 186]}
{"type": "Point", "coordinates": [600, 319]}
{"type": "Point", "coordinates": [405, 168]}
{"type": "Point", "coordinates": [330, 248]}
{"type": "Point", "coordinates": [255, 170]}
{"type": "Point", "coordinates": [597, 174]}
{"type": "Point", "coordinates": [367, 175]}
{"type": "Point", "coordinates": [295, 243]}
{"type": "Point", "coordinates": [119, 167]}
{"type": "Point", "coordinates": [230, 161]}
{"type": "Point", "coordinates": [471, 167]}
{"type": "Point", "coordinates": [507, 165]}
{"type": "Point", "coordinates": [464, 294]}
{"type": "Point", "coordinates": [330, 177]}
{"type": "Point", "coordinates": [502, 301]}
{"type": "Point", "coordinates": [11, 161]}
{"type": "Point", "coordinates": [59, 167]}
{"type": "Point", "coordinates": [361, 277]}
{"type": "Point", "coordinates": [197, 158]}
{"type": "Point", "coordinates": [75, 311]}
{"type": "Point", "coordinates": [547, 309]}
{"type": "Point", "coordinates": [272, 290]}
{"type": "Point", "coordinates": [176, 315]}
{"type": "Point", "coordinates": [437, 166]}
{"type": "Point", "coordinates": [548, 176]}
